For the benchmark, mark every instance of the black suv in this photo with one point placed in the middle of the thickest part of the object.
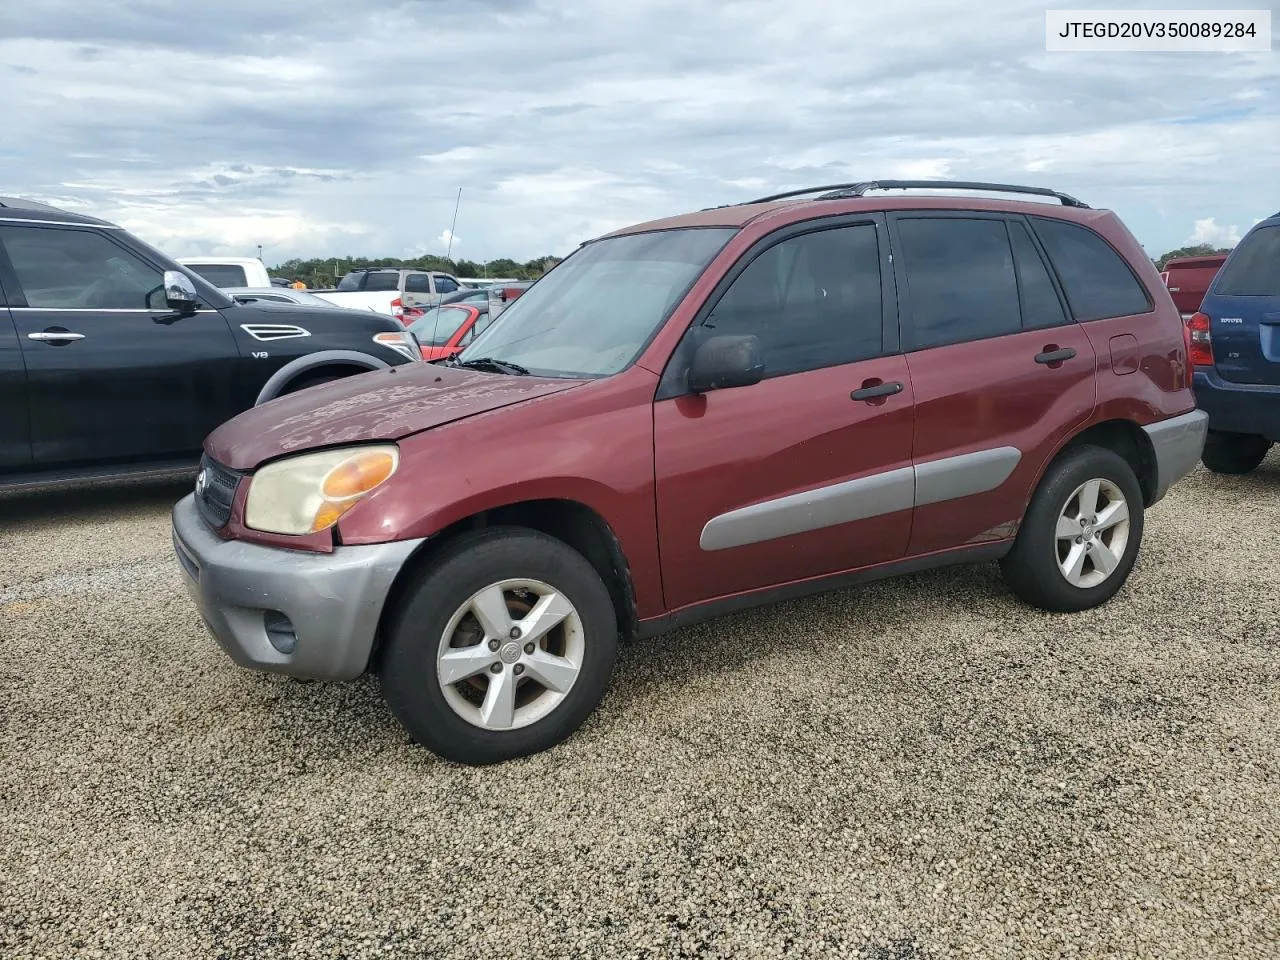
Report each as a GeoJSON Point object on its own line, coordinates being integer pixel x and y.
{"type": "Point", "coordinates": [115, 360]}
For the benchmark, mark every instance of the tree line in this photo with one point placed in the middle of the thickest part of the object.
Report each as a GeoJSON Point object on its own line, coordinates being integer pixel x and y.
{"type": "Point", "coordinates": [323, 272]}
{"type": "Point", "coordinates": [327, 271]}
{"type": "Point", "coordinates": [1195, 250]}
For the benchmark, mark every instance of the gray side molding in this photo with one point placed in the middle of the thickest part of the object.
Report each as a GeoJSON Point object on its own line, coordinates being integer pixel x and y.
{"type": "Point", "coordinates": [314, 361]}
{"type": "Point", "coordinates": [933, 481]}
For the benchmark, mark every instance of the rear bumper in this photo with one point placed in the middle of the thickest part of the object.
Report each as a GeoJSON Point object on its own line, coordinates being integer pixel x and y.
{"type": "Point", "coordinates": [1178, 443]}
{"type": "Point", "coordinates": [1238, 407]}
{"type": "Point", "coordinates": [333, 601]}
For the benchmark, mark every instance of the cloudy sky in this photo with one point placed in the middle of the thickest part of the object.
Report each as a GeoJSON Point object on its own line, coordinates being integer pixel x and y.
{"type": "Point", "coordinates": [324, 128]}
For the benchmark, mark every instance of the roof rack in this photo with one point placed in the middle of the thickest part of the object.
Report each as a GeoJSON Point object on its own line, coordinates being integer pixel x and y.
{"type": "Point", "coordinates": [840, 191]}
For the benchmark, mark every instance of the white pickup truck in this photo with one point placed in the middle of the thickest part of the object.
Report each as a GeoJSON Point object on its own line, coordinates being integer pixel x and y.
{"type": "Point", "coordinates": [404, 294]}
{"type": "Point", "coordinates": [229, 271]}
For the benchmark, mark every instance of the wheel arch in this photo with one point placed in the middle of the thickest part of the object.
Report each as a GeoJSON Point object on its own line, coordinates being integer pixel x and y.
{"type": "Point", "coordinates": [570, 521]}
{"type": "Point", "coordinates": [1120, 435]}
{"type": "Point", "coordinates": [312, 363]}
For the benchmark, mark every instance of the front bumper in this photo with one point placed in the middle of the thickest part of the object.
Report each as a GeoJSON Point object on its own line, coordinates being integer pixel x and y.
{"type": "Point", "coordinates": [1238, 407]}
{"type": "Point", "coordinates": [333, 601]}
{"type": "Point", "coordinates": [1178, 443]}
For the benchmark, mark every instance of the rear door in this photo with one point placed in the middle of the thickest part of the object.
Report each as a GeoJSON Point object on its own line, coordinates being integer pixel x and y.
{"type": "Point", "coordinates": [1243, 307]}
{"type": "Point", "coordinates": [1001, 372]}
{"type": "Point", "coordinates": [15, 435]}
{"type": "Point", "coordinates": [113, 375]}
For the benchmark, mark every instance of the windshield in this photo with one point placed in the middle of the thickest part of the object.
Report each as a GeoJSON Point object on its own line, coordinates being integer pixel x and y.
{"type": "Point", "coordinates": [591, 315]}
{"type": "Point", "coordinates": [436, 326]}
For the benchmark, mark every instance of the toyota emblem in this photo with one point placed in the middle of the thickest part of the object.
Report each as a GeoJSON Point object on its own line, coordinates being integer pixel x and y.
{"type": "Point", "coordinates": [202, 480]}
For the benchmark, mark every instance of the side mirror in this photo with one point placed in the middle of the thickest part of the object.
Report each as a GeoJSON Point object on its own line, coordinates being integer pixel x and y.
{"type": "Point", "coordinates": [179, 292]}
{"type": "Point", "coordinates": [726, 361]}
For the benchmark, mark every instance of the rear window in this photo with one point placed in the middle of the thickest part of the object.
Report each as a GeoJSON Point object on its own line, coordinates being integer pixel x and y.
{"type": "Point", "coordinates": [220, 274]}
{"type": "Point", "coordinates": [1096, 279]}
{"type": "Point", "coordinates": [1253, 269]}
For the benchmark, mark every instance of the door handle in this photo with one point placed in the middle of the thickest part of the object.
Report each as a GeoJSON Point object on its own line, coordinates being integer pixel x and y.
{"type": "Point", "coordinates": [55, 336]}
{"type": "Point", "coordinates": [1055, 355]}
{"type": "Point", "coordinates": [875, 390]}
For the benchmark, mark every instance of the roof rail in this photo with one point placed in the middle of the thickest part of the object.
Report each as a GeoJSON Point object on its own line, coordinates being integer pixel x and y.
{"type": "Point", "coordinates": [840, 191]}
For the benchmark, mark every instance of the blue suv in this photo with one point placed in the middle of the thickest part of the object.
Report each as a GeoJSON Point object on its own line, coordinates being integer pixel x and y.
{"type": "Point", "coordinates": [1235, 347]}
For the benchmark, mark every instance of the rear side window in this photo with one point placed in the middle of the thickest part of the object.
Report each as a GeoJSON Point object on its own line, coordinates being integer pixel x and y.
{"type": "Point", "coordinates": [1253, 269]}
{"type": "Point", "coordinates": [220, 274]}
{"type": "Point", "coordinates": [960, 280]}
{"type": "Point", "coordinates": [1096, 279]}
{"type": "Point", "coordinates": [417, 283]}
{"type": "Point", "coordinates": [1040, 304]}
{"type": "Point", "coordinates": [389, 280]}
{"type": "Point", "coordinates": [814, 301]}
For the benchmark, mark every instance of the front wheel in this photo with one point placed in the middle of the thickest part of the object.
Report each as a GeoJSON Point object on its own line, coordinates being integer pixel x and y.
{"type": "Point", "coordinates": [1080, 536]}
{"type": "Point", "coordinates": [1233, 453]}
{"type": "Point", "coordinates": [502, 648]}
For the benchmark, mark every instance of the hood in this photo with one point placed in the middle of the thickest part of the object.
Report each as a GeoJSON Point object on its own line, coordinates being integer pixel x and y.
{"type": "Point", "coordinates": [380, 405]}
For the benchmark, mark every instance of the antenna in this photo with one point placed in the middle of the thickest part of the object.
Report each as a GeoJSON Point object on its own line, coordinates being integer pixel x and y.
{"type": "Point", "coordinates": [448, 254]}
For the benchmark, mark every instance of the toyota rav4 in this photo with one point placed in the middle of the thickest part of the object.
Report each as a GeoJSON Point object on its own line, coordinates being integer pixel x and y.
{"type": "Point", "coordinates": [696, 415]}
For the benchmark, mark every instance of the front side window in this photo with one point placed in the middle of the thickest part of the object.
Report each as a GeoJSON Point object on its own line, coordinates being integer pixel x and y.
{"type": "Point", "coordinates": [960, 280]}
{"type": "Point", "coordinates": [1097, 281]}
{"type": "Point", "coordinates": [445, 285]}
{"type": "Point", "coordinates": [593, 313]}
{"type": "Point", "coordinates": [351, 281]}
{"type": "Point", "coordinates": [80, 270]}
{"type": "Point", "coordinates": [1253, 269]}
{"type": "Point", "coordinates": [814, 300]}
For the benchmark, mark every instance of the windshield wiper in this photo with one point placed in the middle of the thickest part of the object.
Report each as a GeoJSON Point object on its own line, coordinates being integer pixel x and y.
{"type": "Point", "coordinates": [490, 363]}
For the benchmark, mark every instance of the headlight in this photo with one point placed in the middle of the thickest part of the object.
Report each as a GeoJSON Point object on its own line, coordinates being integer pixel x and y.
{"type": "Point", "coordinates": [310, 492]}
{"type": "Point", "coordinates": [405, 344]}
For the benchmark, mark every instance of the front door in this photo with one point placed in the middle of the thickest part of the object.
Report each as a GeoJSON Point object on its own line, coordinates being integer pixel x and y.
{"type": "Point", "coordinates": [1002, 373]}
{"type": "Point", "coordinates": [113, 375]}
{"type": "Point", "coordinates": [807, 472]}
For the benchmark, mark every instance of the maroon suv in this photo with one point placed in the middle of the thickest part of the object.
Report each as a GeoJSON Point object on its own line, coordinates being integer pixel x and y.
{"type": "Point", "coordinates": [692, 416]}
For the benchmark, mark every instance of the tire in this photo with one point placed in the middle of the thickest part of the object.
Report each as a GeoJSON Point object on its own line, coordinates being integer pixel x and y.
{"type": "Point", "coordinates": [1234, 453]}
{"type": "Point", "coordinates": [1034, 568]}
{"type": "Point", "coordinates": [450, 721]}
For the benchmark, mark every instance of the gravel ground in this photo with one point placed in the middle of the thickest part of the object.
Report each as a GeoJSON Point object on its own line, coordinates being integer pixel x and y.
{"type": "Point", "coordinates": [922, 768]}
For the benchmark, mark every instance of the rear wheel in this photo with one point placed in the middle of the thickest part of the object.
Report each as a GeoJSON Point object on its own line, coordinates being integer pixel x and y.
{"type": "Point", "coordinates": [1080, 536]}
{"type": "Point", "coordinates": [1233, 452]}
{"type": "Point", "coordinates": [502, 648]}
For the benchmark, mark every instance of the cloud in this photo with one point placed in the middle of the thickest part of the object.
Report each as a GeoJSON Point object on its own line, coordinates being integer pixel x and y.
{"type": "Point", "coordinates": [1209, 230]}
{"type": "Point", "coordinates": [215, 127]}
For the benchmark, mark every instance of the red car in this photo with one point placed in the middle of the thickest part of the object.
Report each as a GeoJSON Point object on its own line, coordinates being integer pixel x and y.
{"type": "Point", "coordinates": [697, 415]}
{"type": "Point", "coordinates": [1188, 279]}
{"type": "Point", "coordinates": [444, 331]}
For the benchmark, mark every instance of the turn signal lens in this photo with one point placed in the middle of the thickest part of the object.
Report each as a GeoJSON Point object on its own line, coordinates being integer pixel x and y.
{"type": "Point", "coordinates": [358, 475]}
{"type": "Point", "coordinates": [1200, 344]}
